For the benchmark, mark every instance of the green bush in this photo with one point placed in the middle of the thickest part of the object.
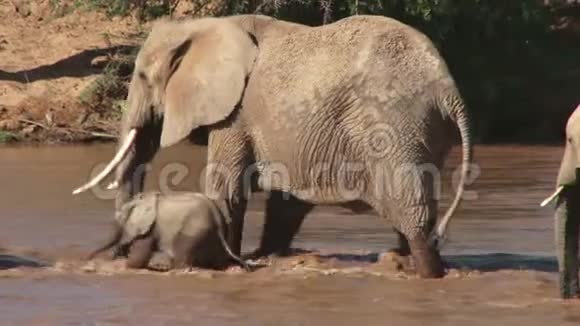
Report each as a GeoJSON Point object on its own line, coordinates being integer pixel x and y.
{"type": "Point", "coordinates": [504, 55]}
{"type": "Point", "coordinates": [106, 94]}
{"type": "Point", "coordinates": [518, 75]}
{"type": "Point", "coordinates": [146, 9]}
{"type": "Point", "coordinates": [112, 7]}
{"type": "Point", "coordinates": [6, 137]}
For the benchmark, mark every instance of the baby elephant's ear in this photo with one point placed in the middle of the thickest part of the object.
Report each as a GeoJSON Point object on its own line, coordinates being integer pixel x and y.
{"type": "Point", "coordinates": [141, 218]}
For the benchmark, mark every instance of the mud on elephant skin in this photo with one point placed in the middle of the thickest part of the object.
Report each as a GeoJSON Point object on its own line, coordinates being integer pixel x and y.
{"type": "Point", "coordinates": [567, 212]}
{"type": "Point", "coordinates": [164, 232]}
{"type": "Point", "coordinates": [295, 98]}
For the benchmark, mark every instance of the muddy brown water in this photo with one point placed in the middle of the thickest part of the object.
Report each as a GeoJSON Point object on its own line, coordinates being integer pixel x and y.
{"type": "Point", "coordinates": [500, 251]}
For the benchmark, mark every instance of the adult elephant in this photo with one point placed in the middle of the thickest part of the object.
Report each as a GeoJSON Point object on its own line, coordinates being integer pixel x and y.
{"type": "Point", "coordinates": [342, 113]}
{"type": "Point", "coordinates": [567, 214]}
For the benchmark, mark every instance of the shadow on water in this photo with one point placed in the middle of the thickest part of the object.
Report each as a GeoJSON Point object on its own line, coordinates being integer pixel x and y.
{"type": "Point", "coordinates": [11, 261]}
{"type": "Point", "coordinates": [502, 261]}
{"type": "Point", "coordinates": [491, 262]}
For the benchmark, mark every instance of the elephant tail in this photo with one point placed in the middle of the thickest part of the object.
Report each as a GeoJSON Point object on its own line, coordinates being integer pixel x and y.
{"type": "Point", "coordinates": [227, 248]}
{"type": "Point", "coordinates": [458, 113]}
{"type": "Point", "coordinates": [218, 216]}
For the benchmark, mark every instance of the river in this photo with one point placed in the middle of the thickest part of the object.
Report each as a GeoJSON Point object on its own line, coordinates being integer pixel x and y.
{"type": "Point", "coordinates": [500, 249]}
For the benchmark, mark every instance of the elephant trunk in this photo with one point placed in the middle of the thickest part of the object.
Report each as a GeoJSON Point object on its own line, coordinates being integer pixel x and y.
{"type": "Point", "coordinates": [113, 240]}
{"type": "Point", "coordinates": [454, 105]}
{"type": "Point", "coordinates": [130, 173]}
{"type": "Point", "coordinates": [139, 141]}
{"type": "Point", "coordinates": [567, 223]}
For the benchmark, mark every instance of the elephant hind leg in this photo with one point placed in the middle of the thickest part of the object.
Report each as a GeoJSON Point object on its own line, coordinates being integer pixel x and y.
{"type": "Point", "coordinates": [427, 260]}
{"type": "Point", "coordinates": [416, 224]}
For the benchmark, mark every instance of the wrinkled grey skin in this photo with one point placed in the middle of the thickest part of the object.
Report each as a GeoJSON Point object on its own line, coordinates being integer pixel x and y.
{"type": "Point", "coordinates": [164, 232]}
{"type": "Point", "coordinates": [283, 94]}
{"type": "Point", "coordinates": [567, 214]}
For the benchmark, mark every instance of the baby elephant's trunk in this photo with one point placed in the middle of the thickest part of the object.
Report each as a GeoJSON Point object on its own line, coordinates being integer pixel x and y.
{"type": "Point", "coordinates": [113, 240]}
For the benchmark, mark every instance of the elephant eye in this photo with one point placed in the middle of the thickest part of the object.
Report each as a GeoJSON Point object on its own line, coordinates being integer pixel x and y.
{"type": "Point", "coordinates": [144, 79]}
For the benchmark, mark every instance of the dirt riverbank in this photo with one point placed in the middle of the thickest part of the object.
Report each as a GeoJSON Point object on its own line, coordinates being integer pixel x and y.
{"type": "Point", "coordinates": [50, 65]}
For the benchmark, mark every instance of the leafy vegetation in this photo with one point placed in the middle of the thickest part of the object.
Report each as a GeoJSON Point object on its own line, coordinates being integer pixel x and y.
{"type": "Point", "coordinates": [145, 9]}
{"type": "Point", "coordinates": [106, 94]}
{"type": "Point", "coordinates": [6, 137]}
{"type": "Point", "coordinates": [518, 74]}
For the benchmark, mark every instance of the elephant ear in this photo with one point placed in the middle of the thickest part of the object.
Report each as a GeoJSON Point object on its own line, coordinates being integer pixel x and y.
{"type": "Point", "coordinates": [571, 158]}
{"type": "Point", "coordinates": [140, 218]}
{"type": "Point", "coordinates": [568, 165]}
{"type": "Point", "coordinates": [207, 76]}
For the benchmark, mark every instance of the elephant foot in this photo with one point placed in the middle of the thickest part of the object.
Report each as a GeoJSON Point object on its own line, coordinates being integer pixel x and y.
{"type": "Point", "coordinates": [568, 295]}
{"type": "Point", "coordinates": [569, 288]}
{"type": "Point", "coordinates": [269, 254]}
{"type": "Point", "coordinates": [260, 253]}
{"type": "Point", "coordinates": [427, 260]}
{"type": "Point", "coordinates": [274, 250]}
{"type": "Point", "coordinates": [404, 262]}
{"type": "Point", "coordinates": [256, 260]}
{"type": "Point", "coordinates": [160, 262]}
{"type": "Point", "coordinates": [254, 255]}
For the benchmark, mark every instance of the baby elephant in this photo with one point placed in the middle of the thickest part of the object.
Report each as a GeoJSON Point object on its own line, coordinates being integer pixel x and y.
{"type": "Point", "coordinates": [162, 232]}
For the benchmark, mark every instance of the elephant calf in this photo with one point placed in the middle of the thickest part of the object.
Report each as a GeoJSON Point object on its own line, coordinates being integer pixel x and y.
{"type": "Point", "coordinates": [162, 232]}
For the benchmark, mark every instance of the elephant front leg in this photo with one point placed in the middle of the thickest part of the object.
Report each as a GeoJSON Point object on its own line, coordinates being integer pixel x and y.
{"type": "Point", "coordinates": [403, 249]}
{"type": "Point", "coordinates": [229, 157]}
{"type": "Point", "coordinates": [401, 255]}
{"type": "Point", "coordinates": [284, 216]}
{"type": "Point", "coordinates": [567, 224]}
{"type": "Point", "coordinates": [140, 252]}
{"type": "Point", "coordinates": [234, 210]}
{"type": "Point", "coordinates": [235, 228]}
{"type": "Point", "coordinates": [228, 177]}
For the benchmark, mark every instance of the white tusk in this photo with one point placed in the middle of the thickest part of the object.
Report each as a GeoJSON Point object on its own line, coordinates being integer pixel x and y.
{"type": "Point", "coordinates": [113, 185]}
{"type": "Point", "coordinates": [554, 195]}
{"type": "Point", "coordinates": [113, 164]}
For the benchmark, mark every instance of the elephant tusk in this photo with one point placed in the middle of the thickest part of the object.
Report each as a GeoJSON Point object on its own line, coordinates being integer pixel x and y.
{"type": "Point", "coordinates": [113, 185]}
{"type": "Point", "coordinates": [554, 195]}
{"type": "Point", "coordinates": [113, 164]}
